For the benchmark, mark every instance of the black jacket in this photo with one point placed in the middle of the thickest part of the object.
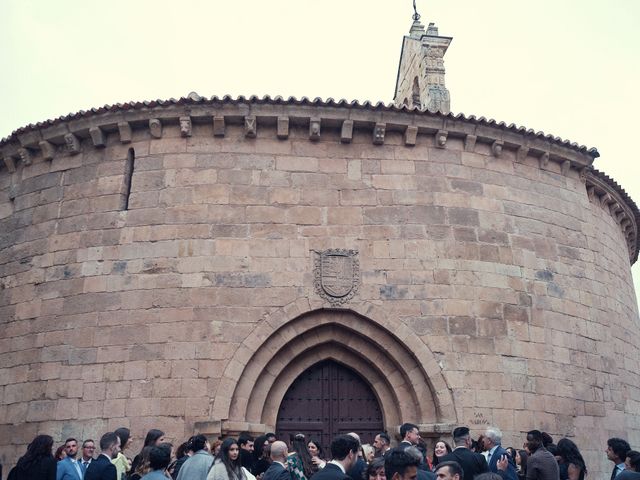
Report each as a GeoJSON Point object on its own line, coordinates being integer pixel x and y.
{"type": "Point", "coordinates": [44, 468]}
{"type": "Point", "coordinates": [472, 463]}
{"type": "Point", "coordinates": [276, 472]}
{"type": "Point", "coordinates": [101, 469]}
{"type": "Point", "coordinates": [331, 472]}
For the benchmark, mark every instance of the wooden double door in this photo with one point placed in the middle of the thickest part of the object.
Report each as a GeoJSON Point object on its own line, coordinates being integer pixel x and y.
{"type": "Point", "coordinates": [326, 400]}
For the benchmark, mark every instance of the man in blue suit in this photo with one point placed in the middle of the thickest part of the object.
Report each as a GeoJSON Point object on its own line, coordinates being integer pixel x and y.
{"type": "Point", "coordinates": [499, 460]}
{"type": "Point", "coordinates": [69, 468]}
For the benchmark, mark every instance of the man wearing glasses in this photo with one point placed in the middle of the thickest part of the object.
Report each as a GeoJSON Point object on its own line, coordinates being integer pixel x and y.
{"type": "Point", "coordinates": [88, 448]}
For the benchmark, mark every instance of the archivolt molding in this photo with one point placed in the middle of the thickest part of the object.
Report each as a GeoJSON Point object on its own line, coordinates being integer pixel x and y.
{"type": "Point", "coordinates": [400, 367]}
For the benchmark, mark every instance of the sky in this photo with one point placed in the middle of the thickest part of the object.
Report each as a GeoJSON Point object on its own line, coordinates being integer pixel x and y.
{"type": "Point", "coordinates": [567, 67]}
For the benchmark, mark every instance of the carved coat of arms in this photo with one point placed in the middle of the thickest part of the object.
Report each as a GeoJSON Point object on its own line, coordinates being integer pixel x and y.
{"type": "Point", "coordinates": [337, 274]}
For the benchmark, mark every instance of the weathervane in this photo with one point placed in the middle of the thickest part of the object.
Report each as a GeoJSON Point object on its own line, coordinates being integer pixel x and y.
{"type": "Point", "coordinates": [416, 15]}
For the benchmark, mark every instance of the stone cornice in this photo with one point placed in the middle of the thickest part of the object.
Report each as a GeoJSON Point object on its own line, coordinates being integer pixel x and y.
{"type": "Point", "coordinates": [605, 192]}
{"type": "Point", "coordinates": [68, 134]}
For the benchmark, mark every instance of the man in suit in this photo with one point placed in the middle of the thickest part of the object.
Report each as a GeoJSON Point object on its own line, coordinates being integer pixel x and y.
{"type": "Point", "coordinates": [159, 459]}
{"type": "Point", "coordinates": [88, 449]}
{"type": "Point", "coordinates": [617, 449]}
{"type": "Point", "coordinates": [541, 464]}
{"type": "Point", "coordinates": [472, 463]}
{"type": "Point", "coordinates": [69, 468]}
{"type": "Point", "coordinates": [498, 459]}
{"type": "Point", "coordinates": [278, 468]}
{"type": "Point", "coordinates": [102, 468]}
{"type": "Point", "coordinates": [382, 444]}
{"type": "Point", "coordinates": [402, 463]}
{"type": "Point", "coordinates": [344, 450]}
{"type": "Point", "coordinates": [410, 435]}
{"type": "Point", "coordinates": [357, 470]}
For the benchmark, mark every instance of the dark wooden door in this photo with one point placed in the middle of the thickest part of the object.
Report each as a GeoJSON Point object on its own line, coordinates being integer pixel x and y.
{"type": "Point", "coordinates": [326, 400]}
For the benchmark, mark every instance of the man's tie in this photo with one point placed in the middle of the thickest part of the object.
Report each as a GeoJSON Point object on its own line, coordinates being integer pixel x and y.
{"type": "Point", "coordinates": [79, 469]}
{"type": "Point", "coordinates": [615, 472]}
{"type": "Point", "coordinates": [85, 465]}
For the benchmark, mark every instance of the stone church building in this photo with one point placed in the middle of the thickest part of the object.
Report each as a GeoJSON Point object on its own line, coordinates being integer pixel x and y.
{"type": "Point", "coordinates": [227, 264]}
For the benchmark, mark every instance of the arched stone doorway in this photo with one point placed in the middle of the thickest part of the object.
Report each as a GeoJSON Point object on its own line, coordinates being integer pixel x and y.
{"type": "Point", "coordinates": [398, 366]}
{"type": "Point", "coordinates": [326, 400]}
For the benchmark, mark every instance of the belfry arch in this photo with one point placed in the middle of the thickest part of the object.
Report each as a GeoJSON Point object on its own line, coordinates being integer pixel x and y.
{"type": "Point", "coordinates": [402, 372]}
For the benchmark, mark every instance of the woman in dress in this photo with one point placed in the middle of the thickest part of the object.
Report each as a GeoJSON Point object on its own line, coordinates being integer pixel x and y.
{"type": "Point", "coordinates": [299, 461]}
{"type": "Point", "coordinates": [440, 449]}
{"type": "Point", "coordinates": [572, 466]}
{"type": "Point", "coordinates": [227, 464]}
{"type": "Point", "coordinates": [122, 463]}
{"type": "Point", "coordinates": [38, 463]}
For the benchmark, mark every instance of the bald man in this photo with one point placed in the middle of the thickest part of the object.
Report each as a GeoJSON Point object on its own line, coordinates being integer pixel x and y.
{"type": "Point", "coordinates": [278, 469]}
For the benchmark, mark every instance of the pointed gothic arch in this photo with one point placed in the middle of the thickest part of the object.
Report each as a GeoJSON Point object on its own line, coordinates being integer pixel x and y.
{"type": "Point", "coordinates": [399, 367]}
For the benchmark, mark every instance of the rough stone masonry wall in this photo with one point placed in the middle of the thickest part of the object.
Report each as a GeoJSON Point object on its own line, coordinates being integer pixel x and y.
{"type": "Point", "coordinates": [518, 284]}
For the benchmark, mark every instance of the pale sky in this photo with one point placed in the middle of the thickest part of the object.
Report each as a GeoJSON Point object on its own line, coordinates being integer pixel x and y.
{"type": "Point", "coordinates": [567, 67]}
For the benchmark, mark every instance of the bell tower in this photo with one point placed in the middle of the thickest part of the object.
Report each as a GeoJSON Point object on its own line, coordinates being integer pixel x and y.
{"type": "Point", "coordinates": [420, 80]}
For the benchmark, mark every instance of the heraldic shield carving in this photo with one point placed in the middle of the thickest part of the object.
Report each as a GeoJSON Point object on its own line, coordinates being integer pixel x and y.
{"type": "Point", "coordinates": [337, 274]}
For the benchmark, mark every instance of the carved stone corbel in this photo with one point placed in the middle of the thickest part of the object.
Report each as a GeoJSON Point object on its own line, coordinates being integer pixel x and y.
{"type": "Point", "coordinates": [72, 143]}
{"type": "Point", "coordinates": [565, 167]}
{"type": "Point", "coordinates": [544, 160]}
{"type": "Point", "coordinates": [250, 126]}
{"type": "Point", "coordinates": [346, 132]}
{"type": "Point", "coordinates": [379, 131]}
{"type": "Point", "coordinates": [605, 200]}
{"type": "Point", "coordinates": [470, 143]}
{"type": "Point", "coordinates": [10, 164]}
{"type": "Point", "coordinates": [155, 128]}
{"type": "Point", "coordinates": [25, 156]}
{"type": "Point", "coordinates": [583, 174]}
{"type": "Point", "coordinates": [219, 126]}
{"type": "Point", "coordinates": [411, 135]}
{"type": "Point", "coordinates": [441, 138]}
{"type": "Point", "coordinates": [124, 129]}
{"type": "Point", "coordinates": [98, 137]}
{"type": "Point", "coordinates": [314, 129]}
{"type": "Point", "coordinates": [521, 153]}
{"type": "Point", "coordinates": [283, 128]}
{"type": "Point", "coordinates": [591, 193]}
{"type": "Point", "coordinates": [48, 149]}
{"type": "Point", "coordinates": [186, 128]}
{"type": "Point", "coordinates": [496, 148]}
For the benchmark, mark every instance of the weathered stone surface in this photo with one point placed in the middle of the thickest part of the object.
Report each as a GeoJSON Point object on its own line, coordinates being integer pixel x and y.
{"type": "Point", "coordinates": [507, 293]}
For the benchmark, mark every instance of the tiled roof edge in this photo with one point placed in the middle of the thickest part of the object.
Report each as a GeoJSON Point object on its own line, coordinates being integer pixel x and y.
{"type": "Point", "coordinates": [195, 99]}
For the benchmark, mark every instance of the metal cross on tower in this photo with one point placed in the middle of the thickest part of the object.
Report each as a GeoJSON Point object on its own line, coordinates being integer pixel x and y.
{"type": "Point", "coordinates": [416, 15]}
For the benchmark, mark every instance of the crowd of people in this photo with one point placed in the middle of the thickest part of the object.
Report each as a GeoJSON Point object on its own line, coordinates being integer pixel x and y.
{"type": "Point", "coordinates": [266, 458]}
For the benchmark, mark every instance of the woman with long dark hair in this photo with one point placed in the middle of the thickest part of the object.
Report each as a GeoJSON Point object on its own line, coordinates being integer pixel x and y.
{"type": "Point", "coordinates": [122, 463]}
{"type": "Point", "coordinates": [38, 463]}
{"type": "Point", "coordinates": [261, 459]}
{"type": "Point", "coordinates": [299, 461]}
{"type": "Point", "coordinates": [572, 464]}
{"type": "Point", "coordinates": [144, 464]}
{"type": "Point", "coordinates": [521, 463]}
{"type": "Point", "coordinates": [153, 438]}
{"type": "Point", "coordinates": [440, 449]}
{"type": "Point", "coordinates": [227, 464]}
{"type": "Point", "coordinates": [317, 455]}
